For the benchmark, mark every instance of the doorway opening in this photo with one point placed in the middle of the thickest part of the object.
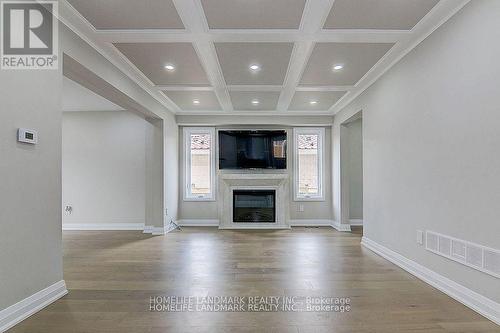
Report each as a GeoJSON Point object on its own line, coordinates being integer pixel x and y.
{"type": "Point", "coordinates": [351, 140]}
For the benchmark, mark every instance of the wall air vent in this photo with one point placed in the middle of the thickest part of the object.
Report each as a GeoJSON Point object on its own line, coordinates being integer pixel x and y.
{"type": "Point", "coordinates": [458, 250]}
{"type": "Point", "coordinates": [444, 246]}
{"type": "Point", "coordinates": [431, 242]}
{"type": "Point", "coordinates": [492, 261]}
{"type": "Point", "coordinates": [479, 257]}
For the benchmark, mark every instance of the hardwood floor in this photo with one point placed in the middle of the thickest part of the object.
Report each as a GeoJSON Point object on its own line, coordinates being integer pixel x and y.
{"type": "Point", "coordinates": [112, 275]}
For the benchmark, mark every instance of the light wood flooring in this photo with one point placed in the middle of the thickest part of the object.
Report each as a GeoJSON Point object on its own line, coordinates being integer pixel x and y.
{"type": "Point", "coordinates": [111, 276]}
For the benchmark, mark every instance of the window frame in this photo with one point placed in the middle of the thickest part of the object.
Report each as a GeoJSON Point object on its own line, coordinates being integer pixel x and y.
{"type": "Point", "coordinates": [320, 132]}
{"type": "Point", "coordinates": [187, 132]}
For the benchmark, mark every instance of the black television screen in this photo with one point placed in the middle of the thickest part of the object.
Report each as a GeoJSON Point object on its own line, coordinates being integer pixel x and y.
{"type": "Point", "coordinates": [252, 149]}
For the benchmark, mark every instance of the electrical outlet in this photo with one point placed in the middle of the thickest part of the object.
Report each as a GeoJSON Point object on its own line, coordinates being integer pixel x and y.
{"type": "Point", "coordinates": [68, 209]}
{"type": "Point", "coordinates": [420, 237]}
{"type": "Point", "coordinates": [300, 208]}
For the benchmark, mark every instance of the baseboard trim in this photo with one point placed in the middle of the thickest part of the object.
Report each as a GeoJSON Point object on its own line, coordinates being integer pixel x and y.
{"type": "Point", "coordinates": [155, 231]}
{"type": "Point", "coordinates": [198, 223]}
{"type": "Point", "coordinates": [356, 222]}
{"type": "Point", "coordinates": [341, 227]}
{"type": "Point", "coordinates": [103, 226]}
{"type": "Point", "coordinates": [18, 312]}
{"type": "Point", "coordinates": [482, 305]}
{"type": "Point", "coordinates": [158, 231]}
{"type": "Point", "coordinates": [310, 223]}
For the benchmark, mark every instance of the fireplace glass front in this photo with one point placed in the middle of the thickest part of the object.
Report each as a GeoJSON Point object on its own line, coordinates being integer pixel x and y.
{"type": "Point", "coordinates": [254, 206]}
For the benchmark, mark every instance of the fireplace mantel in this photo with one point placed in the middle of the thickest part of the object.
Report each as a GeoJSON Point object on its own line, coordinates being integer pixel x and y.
{"type": "Point", "coordinates": [228, 182]}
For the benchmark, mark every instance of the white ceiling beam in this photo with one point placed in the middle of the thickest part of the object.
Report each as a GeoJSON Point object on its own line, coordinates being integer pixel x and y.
{"type": "Point", "coordinates": [255, 113]}
{"type": "Point", "coordinates": [80, 26]}
{"type": "Point", "coordinates": [254, 88]}
{"type": "Point", "coordinates": [310, 32]}
{"type": "Point", "coordinates": [208, 56]}
{"type": "Point", "coordinates": [313, 19]}
{"type": "Point", "coordinates": [193, 17]}
{"type": "Point", "coordinates": [324, 88]}
{"type": "Point", "coordinates": [298, 61]}
{"type": "Point", "coordinates": [231, 35]}
{"type": "Point", "coordinates": [183, 88]}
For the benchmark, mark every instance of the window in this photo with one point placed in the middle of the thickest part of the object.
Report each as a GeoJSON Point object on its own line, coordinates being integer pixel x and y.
{"type": "Point", "coordinates": [308, 166]}
{"type": "Point", "coordinates": [200, 163]}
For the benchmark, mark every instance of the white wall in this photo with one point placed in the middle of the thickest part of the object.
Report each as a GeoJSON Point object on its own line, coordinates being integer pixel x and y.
{"type": "Point", "coordinates": [313, 210]}
{"type": "Point", "coordinates": [95, 72]}
{"type": "Point", "coordinates": [171, 169]}
{"type": "Point", "coordinates": [431, 143]}
{"type": "Point", "coordinates": [30, 184]}
{"type": "Point", "coordinates": [104, 167]}
{"type": "Point", "coordinates": [354, 166]}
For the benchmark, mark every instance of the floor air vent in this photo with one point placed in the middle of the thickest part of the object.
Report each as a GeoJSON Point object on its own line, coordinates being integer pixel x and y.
{"type": "Point", "coordinates": [479, 257]}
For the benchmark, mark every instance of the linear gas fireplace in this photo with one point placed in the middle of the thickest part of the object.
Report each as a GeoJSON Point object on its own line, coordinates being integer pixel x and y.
{"type": "Point", "coordinates": [254, 206]}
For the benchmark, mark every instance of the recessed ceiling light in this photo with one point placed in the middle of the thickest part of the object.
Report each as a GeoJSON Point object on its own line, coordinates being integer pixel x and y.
{"type": "Point", "coordinates": [196, 102]}
{"type": "Point", "coordinates": [313, 102]}
{"type": "Point", "coordinates": [169, 67]}
{"type": "Point", "coordinates": [255, 102]}
{"type": "Point", "coordinates": [254, 68]}
{"type": "Point", "coordinates": [338, 67]}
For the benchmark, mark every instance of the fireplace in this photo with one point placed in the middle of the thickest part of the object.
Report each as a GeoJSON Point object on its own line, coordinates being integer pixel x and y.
{"type": "Point", "coordinates": [272, 186]}
{"type": "Point", "coordinates": [254, 206]}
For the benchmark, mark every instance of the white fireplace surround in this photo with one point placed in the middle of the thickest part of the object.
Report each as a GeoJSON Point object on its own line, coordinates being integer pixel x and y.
{"type": "Point", "coordinates": [228, 182]}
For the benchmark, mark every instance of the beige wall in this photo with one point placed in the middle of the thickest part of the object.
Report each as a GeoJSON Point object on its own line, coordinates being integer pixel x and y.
{"type": "Point", "coordinates": [312, 210]}
{"type": "Point", "coordinates": [431, 143]}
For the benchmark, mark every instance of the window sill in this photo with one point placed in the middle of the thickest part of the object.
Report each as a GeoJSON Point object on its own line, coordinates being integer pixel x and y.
{"type": "Point", "coordinates": [199, 199]}
{"type": "Point", "coordinates": [319, 199]}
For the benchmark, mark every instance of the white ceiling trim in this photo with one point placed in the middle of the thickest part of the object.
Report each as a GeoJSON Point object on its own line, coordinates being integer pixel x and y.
{"type": "Point", "coordinates": [310, 32]}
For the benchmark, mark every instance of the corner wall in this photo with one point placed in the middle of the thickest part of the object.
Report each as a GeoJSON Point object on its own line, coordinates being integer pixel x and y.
{"type": "Point", "coordinates": [431, 143]}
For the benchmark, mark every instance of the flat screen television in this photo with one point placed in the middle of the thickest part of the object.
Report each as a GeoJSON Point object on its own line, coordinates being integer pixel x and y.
{"type": "Point", "coordinates": [243, 149]}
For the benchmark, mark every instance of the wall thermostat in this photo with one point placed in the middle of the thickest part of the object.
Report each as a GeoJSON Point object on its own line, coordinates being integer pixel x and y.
{"type": "Point", "coordinates": [27, 136]}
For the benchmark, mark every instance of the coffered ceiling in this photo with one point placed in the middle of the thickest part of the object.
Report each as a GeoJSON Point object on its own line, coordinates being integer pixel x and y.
{"type": "Point", "coordinates": [266, 56]}
{"type": "Point", "coordinates": [129, 14]}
